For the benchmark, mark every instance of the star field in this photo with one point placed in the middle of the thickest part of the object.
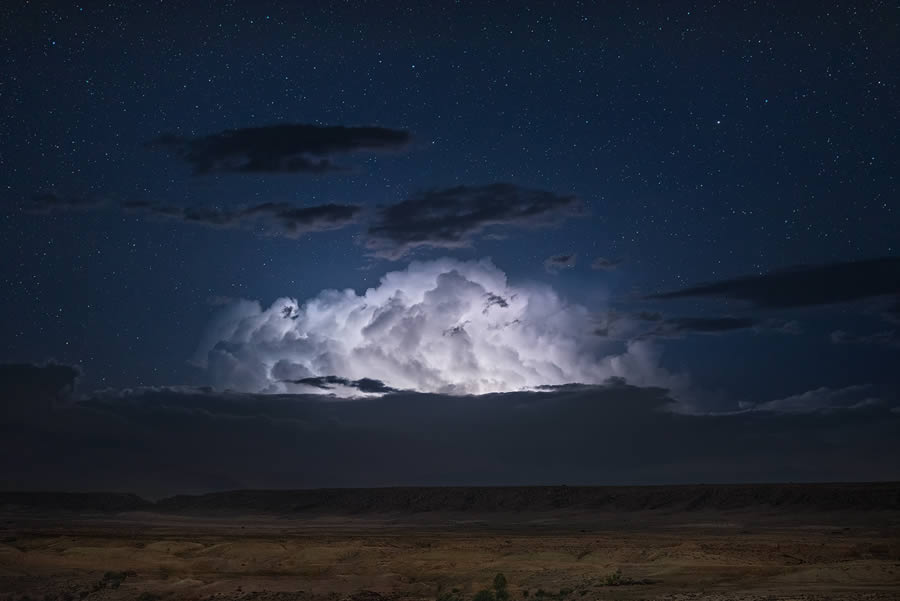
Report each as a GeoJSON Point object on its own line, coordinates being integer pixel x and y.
{"type": "Point", "coordinates": [706, 141]}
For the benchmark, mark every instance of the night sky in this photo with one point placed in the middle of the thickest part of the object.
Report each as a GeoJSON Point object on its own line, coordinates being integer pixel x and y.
{"type": "Point", "coordinates": [692, 207]}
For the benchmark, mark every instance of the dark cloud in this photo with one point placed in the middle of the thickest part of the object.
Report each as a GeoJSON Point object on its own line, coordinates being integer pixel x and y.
{"type": "Point", "coordinates": [158, 441]}
{"type": "Point", "coordinates": [364, 385]}
{"type": "Point", "coordinates": [649, 315]}
{"type": "Point", "coordinates": [889, 338]}
{"type": "Point", "coordinates": [891, 313]}
{"type": "Point", "coordinates": [823, 399]}
{"type": "Point", "coordinates": [50, 202]}
{"type": "Point", "coordinates": [492, 300]}
{"type": "Point", "coordinates": [605, 264]}
{"type": "Point", "coordinates": [791, 327]}
{"type": "Point", "coordinates": [677, 327]}
{"type": "Point", "coordinates": [47, 380]}
{"type": "Point", "coordinates": [454, 217]}
{"type": "Point", "coordinates": [557, 262]}
{"type": "Point", "coordinates": [805, 285]}
{"type": "Point", "coordinates": [285, 148]}
{"type": "Point", "coordinates": [277, 217]}
{"type": "Point", "coordinates": [29, 391]}
{"type": "Point", "coordinates": [707, 325]}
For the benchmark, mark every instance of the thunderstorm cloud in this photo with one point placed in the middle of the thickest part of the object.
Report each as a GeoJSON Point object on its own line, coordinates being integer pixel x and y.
{"type": "Point", "coordinates": [443, 326]}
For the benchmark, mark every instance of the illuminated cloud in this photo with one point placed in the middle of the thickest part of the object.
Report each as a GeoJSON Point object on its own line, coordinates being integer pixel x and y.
{"type": "Point", "coordinates": [442, 326]}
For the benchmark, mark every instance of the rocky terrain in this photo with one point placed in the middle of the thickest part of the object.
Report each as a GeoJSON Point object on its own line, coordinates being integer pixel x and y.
{"type": "Point", "coordinates": [828, 541]}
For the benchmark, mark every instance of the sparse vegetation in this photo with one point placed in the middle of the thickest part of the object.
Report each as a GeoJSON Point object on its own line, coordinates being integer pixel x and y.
{"type": "Point", "coordinates": [615, 579]}
{"type": "Point", "coordinates": [453, 595]}
{"type": "Point", "coordinates": [497, 592]}
{"type": "Point", "coordinates": [114, 579]}
{"type": "Point", "coordinates": [535, 566]}
{"type": "Point", "coordinates": [500, 591]}
{"type": "Point", "coordinates": [618, 579]}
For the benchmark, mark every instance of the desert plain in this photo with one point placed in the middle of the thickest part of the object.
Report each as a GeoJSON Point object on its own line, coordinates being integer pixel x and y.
{"type": "Point", "coordinates": [703, 542]}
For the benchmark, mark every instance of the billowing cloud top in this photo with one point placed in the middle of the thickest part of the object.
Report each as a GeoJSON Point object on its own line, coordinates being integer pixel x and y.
{"type": "Point", "coordinates": [442, 326]}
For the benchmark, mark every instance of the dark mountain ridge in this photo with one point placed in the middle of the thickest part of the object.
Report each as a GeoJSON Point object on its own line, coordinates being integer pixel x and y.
{"type": "Point", "coordinates": [883, 496]}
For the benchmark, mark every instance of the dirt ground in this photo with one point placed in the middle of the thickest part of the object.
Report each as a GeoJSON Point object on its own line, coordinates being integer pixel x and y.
{"type": "Point", "coordinates": [152, 557]}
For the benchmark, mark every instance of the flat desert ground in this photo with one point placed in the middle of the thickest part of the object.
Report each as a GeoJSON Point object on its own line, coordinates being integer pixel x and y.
{"type": "Point", "coordinates": [551, 543]}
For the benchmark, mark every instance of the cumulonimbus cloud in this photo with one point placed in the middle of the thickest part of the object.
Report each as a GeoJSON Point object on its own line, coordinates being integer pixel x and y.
{"type": "Point", "coordinates": [441, 326]}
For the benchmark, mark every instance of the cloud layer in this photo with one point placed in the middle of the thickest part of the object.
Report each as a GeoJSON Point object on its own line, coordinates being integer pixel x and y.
{"type": "Point", "coordinates": [676, 326]}
{"type": "Point", "coordinates": [604, 264]}
{"type": "Point", "coordinates": [287, 148]}
{"type": "Point", "coordinates": [443, 326]}
{"type": "Point", "coordinates": [160, 441]}
{"type": "Point", "coordinates": [807, 285]}
{"type": "Point", "coordinates": [445, 218]}
{"type": "Point", "coordinates": [555, 263]}
{"type": "Point", "coordinates": [823, 399]}
{"type": "Point", "coordinates": [51, 202]}
{"type": "Point", "coordinates": [454, 217]}
{"type": "Point", "coordinates": [275, 217]}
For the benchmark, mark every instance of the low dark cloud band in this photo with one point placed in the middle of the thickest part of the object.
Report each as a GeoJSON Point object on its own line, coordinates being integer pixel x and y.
{"type": "Point", "coordinates": [805, 286]}
{"type": "Point", "coordinates": [279, 217]}
{"type": "Point", "coordinates": [288, 148]}
{"type": "Point", "coordinates": [159, 441]}
{"type": "Point", "coordinates": [453, 217]}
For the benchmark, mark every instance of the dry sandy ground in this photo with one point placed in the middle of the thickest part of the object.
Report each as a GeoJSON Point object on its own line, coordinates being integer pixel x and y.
{"type": "Point", "coordinates": [148, 557]}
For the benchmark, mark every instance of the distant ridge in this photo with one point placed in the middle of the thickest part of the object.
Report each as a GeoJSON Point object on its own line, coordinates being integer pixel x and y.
{"type": "Point", "coordinates": [349, 501]}
{"type": "Point", "coordinates": [104, 502]}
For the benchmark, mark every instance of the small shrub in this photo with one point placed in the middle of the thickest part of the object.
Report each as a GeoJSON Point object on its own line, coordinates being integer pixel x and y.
{"type": "Point", "coordinates": [500, 591]}
{"type": "Point", "coordinates": [451, 596]}
{"type": "Point", "coordinates": [617, 579]}
{"type": "Point", "coordinates": [484, 595]}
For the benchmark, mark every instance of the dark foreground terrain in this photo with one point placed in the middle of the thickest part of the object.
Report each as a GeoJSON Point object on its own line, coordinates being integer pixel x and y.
{"type": "Point", "coordinates": [749, 542]}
